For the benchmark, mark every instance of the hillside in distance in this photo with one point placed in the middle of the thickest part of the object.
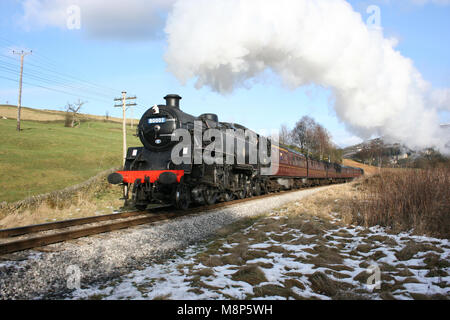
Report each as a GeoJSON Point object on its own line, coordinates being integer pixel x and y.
{"type": "Point", "coordinates": [10, 112]}
{"type": "Point", "coordinates": [378, 152]}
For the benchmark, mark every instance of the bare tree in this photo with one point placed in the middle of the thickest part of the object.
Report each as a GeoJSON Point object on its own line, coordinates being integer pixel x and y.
{"type": "Point", "coordinates": [322, 141]}
{"type": "Point", "coordinates": [72, 110]}
{"type": "Point", "coordinates": [303, 133]}
{"type": "Point", "coordinates": [285, 135]}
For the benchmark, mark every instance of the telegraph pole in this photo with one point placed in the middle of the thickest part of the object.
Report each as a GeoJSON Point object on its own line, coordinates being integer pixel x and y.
{"type": "Point", "coordinates": [124, 122]}
{"type": "Point", "coordinates": [19, 105]}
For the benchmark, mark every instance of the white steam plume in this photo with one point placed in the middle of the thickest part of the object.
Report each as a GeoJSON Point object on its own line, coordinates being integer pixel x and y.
{"type": "Point", "coordinates": [228, 44]}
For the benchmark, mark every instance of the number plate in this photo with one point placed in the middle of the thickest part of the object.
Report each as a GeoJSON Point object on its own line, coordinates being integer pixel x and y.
{"type": "Point", "coordinates": [156, 120]}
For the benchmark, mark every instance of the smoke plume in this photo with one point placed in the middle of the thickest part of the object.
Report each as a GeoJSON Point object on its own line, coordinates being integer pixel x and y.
{"type": "Point", "coordinates": [376, 91]}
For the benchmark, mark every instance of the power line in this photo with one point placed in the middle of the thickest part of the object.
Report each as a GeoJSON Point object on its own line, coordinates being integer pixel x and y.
{"type": "Point", "coordinates": [44, 69]}
{"type": "Point", "coordinates": [73, 77]}
{"type": "Point", "coordinates": [53, 89]}
{"type": "Point", "coordinates": [50, 65]}
{"type": "Point", "coordinates": [63, 77]}
{"type": "Point", "coordinates": [54, 81]}
{"type": "Point", "coordinates": [11, 68]}
{"type": "Point", "coordinates": [51, 82]}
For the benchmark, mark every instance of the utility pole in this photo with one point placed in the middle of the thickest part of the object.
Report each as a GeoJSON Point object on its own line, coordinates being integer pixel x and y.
{"type": "Point", "coordinates": [19, 105]}
{"type": "Point", "coordinates": [124, 123]}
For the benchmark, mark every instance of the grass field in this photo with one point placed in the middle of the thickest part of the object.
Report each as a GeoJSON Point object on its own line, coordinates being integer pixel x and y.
{"type": "Point", "coordinates": [46, 156]}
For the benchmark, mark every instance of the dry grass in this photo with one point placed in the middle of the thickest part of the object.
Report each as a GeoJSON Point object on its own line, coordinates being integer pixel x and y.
{"type": "Point", "coordinates": [250, 274]}
{"type": "Point", "coordinates": [400, 199]}
{"type": "Point", "coordinates": [368, 170]}
{"type": "Point", "coordinates": [406, 199]}
{"type": "Point", "coordinates": [322, 284]}
{"type": "Point", "coordinates": [10, 112]}
{"type": "Point", "coordinates": [336, 199]}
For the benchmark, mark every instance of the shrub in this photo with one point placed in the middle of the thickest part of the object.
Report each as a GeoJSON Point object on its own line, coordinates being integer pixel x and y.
{"type": "Point", "coordinates": [407, 199]}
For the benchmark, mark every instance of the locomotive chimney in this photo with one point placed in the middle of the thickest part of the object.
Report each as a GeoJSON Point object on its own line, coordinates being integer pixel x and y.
{"type": "Point", "coordinates": [173, 100]}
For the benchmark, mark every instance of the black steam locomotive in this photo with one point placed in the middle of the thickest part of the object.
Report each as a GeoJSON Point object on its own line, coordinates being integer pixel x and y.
{"type": "Point", "coordinates": [172, 169]}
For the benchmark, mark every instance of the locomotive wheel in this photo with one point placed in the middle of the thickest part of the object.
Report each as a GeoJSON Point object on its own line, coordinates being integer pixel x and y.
{"type": "Point", "coordinates": [264, 188]}
{"type": "Point", "coordinates": [241, 193]}
{"type": "Point", "coordinates": [210, 196]}
{"type": "Point", "coordinates": [182, 197]}
{"type": "Point", "coordinates": [228, 196]}
{"type": "Point", "coordinates": [248, 190]}
{"type": "Point", "coordinates": [257, 189]}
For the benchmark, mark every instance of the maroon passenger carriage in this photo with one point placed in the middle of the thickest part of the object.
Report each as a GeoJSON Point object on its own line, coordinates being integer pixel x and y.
{"type": "Point", "coordinates": [296, 170]}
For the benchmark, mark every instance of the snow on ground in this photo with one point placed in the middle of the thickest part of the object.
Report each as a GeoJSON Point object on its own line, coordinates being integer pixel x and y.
{"type": "Point", "coordinates": [301, 257]}
{"type": "Point", "coordinates": [107, 256]}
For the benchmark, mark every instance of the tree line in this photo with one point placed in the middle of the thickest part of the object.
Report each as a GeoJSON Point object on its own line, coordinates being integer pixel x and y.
{"type": "Point", "coordinates": [312, 139]}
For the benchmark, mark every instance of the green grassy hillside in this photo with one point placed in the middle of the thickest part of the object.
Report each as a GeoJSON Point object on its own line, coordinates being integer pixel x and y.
{"type": "Point", "coordinates": [47, 156]}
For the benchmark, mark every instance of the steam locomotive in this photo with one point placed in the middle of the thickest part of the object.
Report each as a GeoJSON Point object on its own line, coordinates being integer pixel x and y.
{"type": "Point", "coordinates": [199, 160]}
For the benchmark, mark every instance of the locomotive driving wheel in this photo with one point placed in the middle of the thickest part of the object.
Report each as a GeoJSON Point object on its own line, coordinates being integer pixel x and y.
{"type": "Point", "coordinates": [182, 196]}
{"type": "Point", "coordinates": [241, 193]}
{"type": "Point", "coordinates": [257, 189]}
{"type": "Point", "coordinates": [210, 196]}
{"type": "Point", "coordinates": [264, 188]}
{"type": "Point", "coordinates": [248, 190]}
{"type": "Point", "coordinates": [228, 196]}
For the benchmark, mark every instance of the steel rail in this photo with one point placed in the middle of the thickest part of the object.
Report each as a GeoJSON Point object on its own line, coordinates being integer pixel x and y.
{"type": "Point", "coordinates": [20, 245]}
{"type": "Point", "coordinates": [19, 231]}
{"type": "Point", "coordinates": [24, 244]}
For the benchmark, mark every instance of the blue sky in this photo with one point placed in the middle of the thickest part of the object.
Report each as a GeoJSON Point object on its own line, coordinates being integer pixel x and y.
{"type": "Point", "coordinates": [113, 65]}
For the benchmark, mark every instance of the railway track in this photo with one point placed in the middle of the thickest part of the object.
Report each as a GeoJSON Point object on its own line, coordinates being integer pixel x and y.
{"type": "Point", "coordinates": [33, 236]}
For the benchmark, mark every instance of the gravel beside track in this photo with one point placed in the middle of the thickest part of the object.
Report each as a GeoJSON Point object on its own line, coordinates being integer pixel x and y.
{"type": "Point", "coordinates": [47, 273]}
